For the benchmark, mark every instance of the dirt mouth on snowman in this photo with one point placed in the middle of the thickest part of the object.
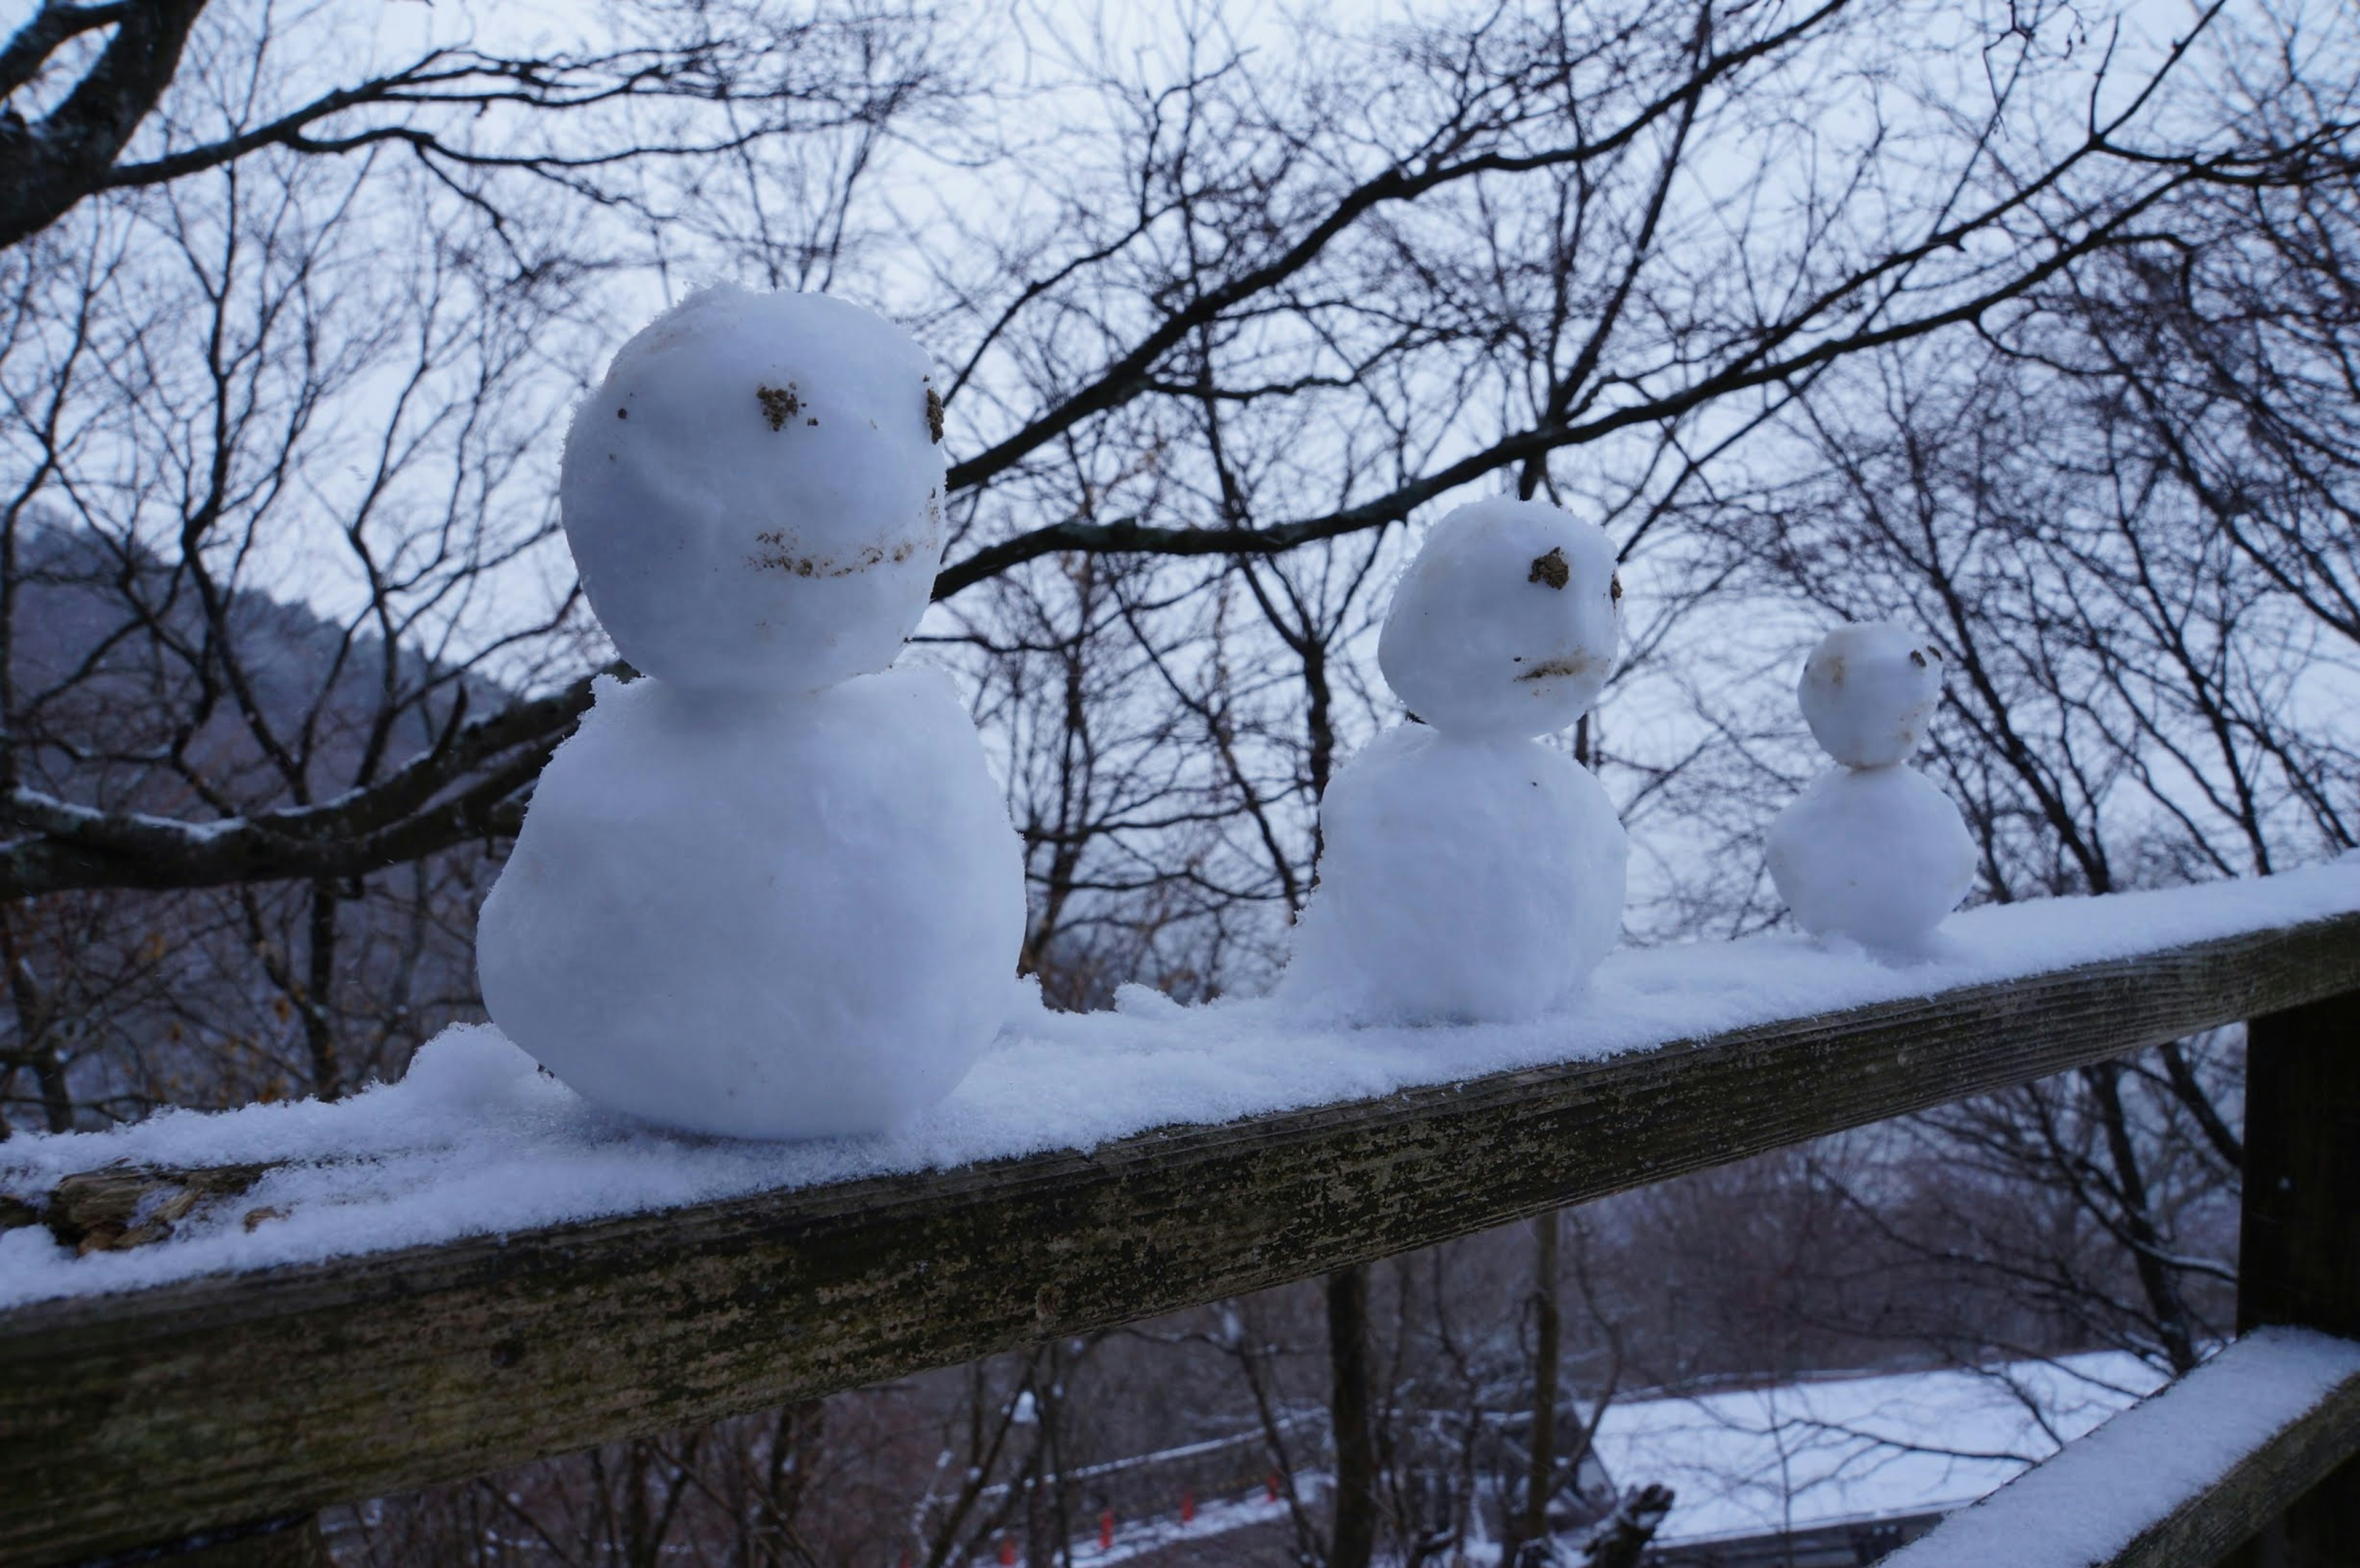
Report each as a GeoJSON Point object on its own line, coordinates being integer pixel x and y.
{"type": "Point", "coordinates": [1550, 669]}
{"type": "Point", "coordinates": [778, 554]}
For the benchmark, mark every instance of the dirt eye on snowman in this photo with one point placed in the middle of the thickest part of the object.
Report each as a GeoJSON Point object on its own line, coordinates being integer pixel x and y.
{"type": "Point", "coordinates": [1868, 692]}
{"type": "Point", "coordinates": [681, 511]}
{"type": "Point", "coordinates": [1552, 569]}
{"type": "Point", "coordinates": [779, 404]}
{"type": "Point", "coordinates": [1614, 587]}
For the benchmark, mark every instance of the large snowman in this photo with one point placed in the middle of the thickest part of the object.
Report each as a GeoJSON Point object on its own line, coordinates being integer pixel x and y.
{"type": "Point", "coordinates": [768, 890]}
{"type": "Point", "coordinates": [1470, 874]}
{"type": "Point", "coordinates": [1872, 852]}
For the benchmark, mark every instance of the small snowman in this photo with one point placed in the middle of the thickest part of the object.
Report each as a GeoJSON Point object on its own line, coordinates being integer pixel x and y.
{"type": "Point", "coordinates": [770, 890]}
{"type": "Point", "coordinates": [1872, 852]}
{"type": "Point", "coordinates": [1469, 874]}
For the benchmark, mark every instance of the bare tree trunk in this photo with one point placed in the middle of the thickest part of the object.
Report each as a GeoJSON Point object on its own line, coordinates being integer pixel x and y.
{"type": "Point", "coordinates": [1541, 1482]}
{"type": "Point", "coordinates": [36, 1044]}
{"type": "Point", "coordinates": [1052, 1402]}
{"type": "Point", "coordinates": [319, 1021]}
{"type": "Point", "coordinates": [2172, 1319]}
{"type": "Point", "coordinates": [1353, 1538]}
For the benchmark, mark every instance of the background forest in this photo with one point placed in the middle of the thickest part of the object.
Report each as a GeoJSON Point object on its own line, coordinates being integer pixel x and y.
{"type": "Point", "coordinates": [2036, 325]}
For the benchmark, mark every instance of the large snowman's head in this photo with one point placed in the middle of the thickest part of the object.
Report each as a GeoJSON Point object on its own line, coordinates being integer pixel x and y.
{"type": "Point", "coordinates": [754, 496]}
{"type": "Point", "coordinates": [1506, 622]}
{"type": "Point", "coordinates": [1868, 692]}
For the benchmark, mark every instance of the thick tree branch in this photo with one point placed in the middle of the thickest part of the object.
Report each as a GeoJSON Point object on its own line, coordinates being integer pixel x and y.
{"type": "Point", "coordinates": [50, 28]}
{"type": "Point", "coordinates": [464, 788]}
{"type": "Point", "coordinates": [46, 168]}
{"type": "Point", "coordinates": [1131, 374]}
{"type": "Point", "coordinates": [1746, 371]}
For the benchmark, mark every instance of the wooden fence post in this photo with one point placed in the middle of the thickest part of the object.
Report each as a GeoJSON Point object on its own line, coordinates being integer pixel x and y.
{"type": "Point", "coordinates": [2299, 1253]}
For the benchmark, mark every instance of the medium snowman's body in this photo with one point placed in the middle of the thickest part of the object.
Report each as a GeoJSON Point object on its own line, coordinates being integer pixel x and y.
{"type": "Point", "coordinates": [1872, 852]}
{"type": "Point", "coordinates": [1470, 874]}
{"type": "Point", "coordinates": [768, 890]}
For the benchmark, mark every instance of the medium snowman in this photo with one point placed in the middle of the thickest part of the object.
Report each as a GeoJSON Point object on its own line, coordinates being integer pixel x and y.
{"type": "Point", "coordinates": [770, 890]}
{"type": "Point", "coordinates": [1470, 874]}
{"type": "Point", "coordinates": [1872, 852]}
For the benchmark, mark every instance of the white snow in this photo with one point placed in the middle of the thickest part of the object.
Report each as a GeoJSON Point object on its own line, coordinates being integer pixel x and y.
{"type": "Point", "coordinates": [772, 917]}
{"type": "Point", "coordinates": [1467, 873]}
{"type": "Point", "coordinates": [1872, 853]}
{"type": "Point", "coordinates": [1463, 881]}
{"type": "Point", "coordinates": [1751, 1464]}
{"type": "Point", "coordinates": [754, 496]}
{"type": "Point", "coordinates": [474, 1141]}
{"type": "Point", "coordinates": [1807, 1456]}
{"type": "Point", "coordinates": [1506, 622]}
{"type": "Point", "coordinates": [1877, 855]}
{"type": "Point", "coordinates": [2093, 1500]}
{"type": "Point", "coordinates": [1868, 690]}
{"type": "Point", "coordinates": [768, 890]}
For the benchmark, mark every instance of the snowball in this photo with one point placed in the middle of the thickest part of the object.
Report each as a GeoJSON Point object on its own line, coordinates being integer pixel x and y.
{"type": "Point", "coordinates": [1462, 881]}
{"type": "Point", "coordinates": [1867, 691]}
{"type": "Point", "coordinates": [754, 495]}
{"type": "Point", "coordinates": [1877, 855]}
{"type": "Point", "coordinates": [1506, 622]}
{"type": "Point", "coordinates": [767, 918]}
{"type": "Point", "coordinates": [463, 1069]}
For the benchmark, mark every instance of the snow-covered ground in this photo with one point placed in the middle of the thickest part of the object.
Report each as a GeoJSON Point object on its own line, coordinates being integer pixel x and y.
{"type": "Point", "coordinates": [1756, 1463]}
{"type": "Point", "coordinates": [476, 1140]}
{"type": "Point", "coordinates": [1802, 1456]}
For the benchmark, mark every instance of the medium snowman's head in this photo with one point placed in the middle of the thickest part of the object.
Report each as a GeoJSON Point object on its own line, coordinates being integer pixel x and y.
{"type": "Point", "coordinates": [1868, 692]}
{"type": "Point", "coordinates": [1506, 623]}
{"type": "Point", "coordinates": [754, 495]}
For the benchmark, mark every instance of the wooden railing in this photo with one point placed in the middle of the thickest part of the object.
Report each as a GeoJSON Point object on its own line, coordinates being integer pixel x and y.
{"type": "Point", "coordinates": [152, 1421]}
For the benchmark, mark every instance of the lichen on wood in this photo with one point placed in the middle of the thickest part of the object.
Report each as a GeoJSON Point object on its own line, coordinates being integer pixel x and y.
{"type": "Point", "coordinates": [123, 1205]}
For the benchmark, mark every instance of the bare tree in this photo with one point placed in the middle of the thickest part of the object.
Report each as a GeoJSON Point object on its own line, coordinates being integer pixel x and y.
{"type": "Point", "coordinates": [1281, 245]}
{"type": "Point", "coordinates": [2118, 513]}
{"type": "Point", "coordinates": [115, 107]}
{"type": "Point", "coordinates": [276, 550]}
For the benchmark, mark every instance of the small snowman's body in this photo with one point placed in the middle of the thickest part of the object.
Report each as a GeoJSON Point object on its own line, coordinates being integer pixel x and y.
{"type": "Point", "coordinates": [1469, 874]}
{"type": "Point", "coordinates": [768, 890]}
{"type": "Point", "coordinates": [1872, 852]}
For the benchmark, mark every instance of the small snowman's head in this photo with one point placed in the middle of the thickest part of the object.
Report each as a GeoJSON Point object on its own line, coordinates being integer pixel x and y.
{"type": "Point", "coordinates": [754, 495]}
{"type": "Point", "coordinates": [1506, 623]}
{"type": "Point", "coordinates": [1868, 692]}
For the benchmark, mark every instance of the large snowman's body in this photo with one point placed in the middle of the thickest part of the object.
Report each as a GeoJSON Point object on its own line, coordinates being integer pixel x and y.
{"type": "Point", "coordinates": [770, 889]}
{"type": "Point", "coordinates": [1470, 874]}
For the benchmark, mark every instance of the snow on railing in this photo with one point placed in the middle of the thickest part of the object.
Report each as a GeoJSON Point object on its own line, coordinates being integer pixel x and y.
{"type": "Point", "coordinates": [477, 1142]}
{"type": "Point", "coordinates": [2182, 1477]}
{"type": "Point", "coordinates": [470, 1269]}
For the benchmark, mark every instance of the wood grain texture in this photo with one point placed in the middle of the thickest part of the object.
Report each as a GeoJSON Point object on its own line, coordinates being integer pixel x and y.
{"type": "Point", "coordinates": [150, 1415]}
{"type": "Point", "coordinates": [2298, 1246]}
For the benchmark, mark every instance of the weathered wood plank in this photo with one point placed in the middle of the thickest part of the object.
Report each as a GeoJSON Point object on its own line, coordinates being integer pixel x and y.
{"type": "Point", "coordinates": [2298, 1252]}
{"type": "Point", "coordinates": [2134, 1484]}
{"type": "Point", "coordinates": [154, 1414]}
